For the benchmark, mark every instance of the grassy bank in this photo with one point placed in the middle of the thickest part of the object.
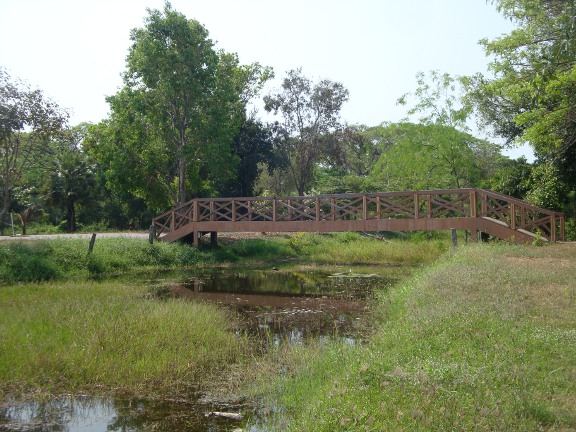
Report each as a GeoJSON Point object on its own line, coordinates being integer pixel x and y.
{"type": "Point", "coordinates": [110, 336]}
{"type": "Point", "coordinates": [485, 339]}
{"type": "Point", "coordinates": [60, 259]}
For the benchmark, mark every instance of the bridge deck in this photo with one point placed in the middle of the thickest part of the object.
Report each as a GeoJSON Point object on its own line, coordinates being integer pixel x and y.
{"type": "Point", "coordinates": [471, 209]}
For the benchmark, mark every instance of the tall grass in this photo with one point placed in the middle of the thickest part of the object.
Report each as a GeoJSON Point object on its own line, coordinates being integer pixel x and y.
{"type": "Point", "coordinates": [58, 259]}
{"type": "Point", "coordinates": [483, 340]}
{"type": "Point", "coordinates": [88, 335]}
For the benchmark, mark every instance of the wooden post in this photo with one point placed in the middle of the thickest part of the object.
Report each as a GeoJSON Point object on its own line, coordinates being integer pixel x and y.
{"type": "Point", "coordinates": [416, 207]}
{"type": "Point", "coordinates": [364, 207]}
{"type": "Point", "coordinates": [213, 238]}
{"type": "Point", "coordinates": [274, 209]}
{"type": "Point", "coordinates": [512, 216]}
{"type": "Point", "coordinates": [454, 237]}
{"type": "Point", "coordinates": [195, 235]}
{"type": "Point", "coordinates": [195, 207]}
{"type": "Point", "coordinates": [317, 208]}
{"type": "Point", "coordinates": [332, 209]}
{"type": "Point", "coordinates": [473, 205]}
{"type": "Point", "coordinates": [152, 234]}
{"type": "Point", "coordinates": [92, 241]}
{"type": "Point", "coordinates": [553, 228]}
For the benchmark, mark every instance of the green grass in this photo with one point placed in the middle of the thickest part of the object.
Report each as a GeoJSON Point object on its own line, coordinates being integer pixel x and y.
{"type": "Point", "coordinates": [485, 339]}
{"type": "Point", "coordinates": [108, 336]}
{"type": "Point", "coordinates": [63, 331]}
{"type": "Point", "coordinates": [60, 259]}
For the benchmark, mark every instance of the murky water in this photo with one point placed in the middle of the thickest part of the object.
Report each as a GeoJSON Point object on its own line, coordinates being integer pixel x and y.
{"type": "Point", "coordinates": [290, 307]}
{"type": "Point", "coordinates": [277, 306]}
{"type": "Point", "coordinates": [90, 414]}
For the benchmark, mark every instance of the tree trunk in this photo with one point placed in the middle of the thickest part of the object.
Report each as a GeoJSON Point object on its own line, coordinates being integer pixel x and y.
{"type": "Point", "coordinates": [70, 215]}
{"type": "Point", "coordinates": [181, 180]}
{"type": "Point", "coordinates": [5, 206]}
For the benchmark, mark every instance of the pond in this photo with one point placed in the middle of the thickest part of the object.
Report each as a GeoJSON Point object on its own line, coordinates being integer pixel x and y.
{"type": "Point", "coordinates": [275, 306]}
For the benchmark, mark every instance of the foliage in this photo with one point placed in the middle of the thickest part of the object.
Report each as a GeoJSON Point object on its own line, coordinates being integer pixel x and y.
{"type": "Point", "coordinates": [513, 178]}
{"type": "Point", "coordinates": [71, 176]}
{"type": "Point", "coordinates": [532, 95]}
{"type": "Point", "coordinates": [438, 99]}
{"type": "Point", "coordinates": [255, 145]}
{"type": "Point", "coordinates": [310, 114]}
{"type": "Point", "coordinates": [172, 125]}
{"type": "Point", "coordinates": [28, 121]}
{"type": "Point", "coordinates": [427, 157]}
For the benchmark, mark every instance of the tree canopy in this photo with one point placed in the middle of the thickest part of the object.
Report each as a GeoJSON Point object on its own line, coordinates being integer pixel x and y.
{"type": "Point", "coordinates": [28, 121]}
{"type": "Point", "coordinates": [310, 113]}
{"type": "Point", "coordinates": [171, 126]}
{"type": "Point", "coordinates": [532, 97]}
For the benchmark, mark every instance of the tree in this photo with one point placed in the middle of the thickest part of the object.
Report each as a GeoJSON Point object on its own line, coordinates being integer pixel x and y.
{"type": "Point", "coordinates": [172, 124]}
{"type": "Point", "coordinates": [310, 113]}
{"type": "Point", "coordinates": [71, 177]}
{"type": "Point", "coordinates": [532, 97]}
{"type": "Point", "coordinates": [28, 122]}
{"type": "Point", "coordinates": [426, 157]}
{"type": "Point", "coordinates": [438, 99]}
{"type": "Point", "coordinates": [255, 145]}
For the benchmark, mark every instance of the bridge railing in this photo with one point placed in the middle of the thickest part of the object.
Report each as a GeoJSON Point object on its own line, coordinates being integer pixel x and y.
{"type": "Point", "coordinates": [458, 203]}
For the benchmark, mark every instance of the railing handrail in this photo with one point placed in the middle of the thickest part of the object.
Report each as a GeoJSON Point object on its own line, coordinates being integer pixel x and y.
{"type": "Point", "coordinates": [481, 196]}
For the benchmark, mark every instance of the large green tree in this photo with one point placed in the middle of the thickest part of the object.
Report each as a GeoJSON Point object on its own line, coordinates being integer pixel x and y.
{"type": "Point", "coordinates": [28, 123]}
{"type": "Point", "coordinates": [310, 115]}
{"type": "Point", "coordinates": [172, 125]}
{"type": "Point", "coordinates": [532, 94]}
{"type": "Point", "coordinates": [426, 157]}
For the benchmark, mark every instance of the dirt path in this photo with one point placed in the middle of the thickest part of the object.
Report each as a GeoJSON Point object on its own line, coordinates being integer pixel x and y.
{"type": "Point", "coordinates": [76, 236]}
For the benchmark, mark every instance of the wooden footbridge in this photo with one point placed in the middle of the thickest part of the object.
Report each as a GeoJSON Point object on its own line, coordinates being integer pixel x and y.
{"type": "Point", "coordinates": [475, 210]}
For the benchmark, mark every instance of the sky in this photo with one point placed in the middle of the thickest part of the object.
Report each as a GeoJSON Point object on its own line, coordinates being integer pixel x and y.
{"type": "Point", "coordinates": [75, 50]}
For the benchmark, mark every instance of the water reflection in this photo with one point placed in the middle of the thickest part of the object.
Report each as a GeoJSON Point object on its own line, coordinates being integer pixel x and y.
{"type": "Point", "coordinates": [289, 307]}
{"type": "Point", "coordinates": [89, 414]}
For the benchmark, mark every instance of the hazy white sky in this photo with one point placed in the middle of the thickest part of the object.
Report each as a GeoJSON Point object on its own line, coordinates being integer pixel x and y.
{"type": "Point", "coordinates": [74, 50]}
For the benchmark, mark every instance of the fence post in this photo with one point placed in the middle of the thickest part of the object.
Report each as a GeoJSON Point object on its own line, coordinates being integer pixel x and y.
{"type": "Point", "coordinates": [91, 244]}
{"type": "Point", "coordinates": [152, 234]}
{"type": "Point", "coordinates": [454, 237]}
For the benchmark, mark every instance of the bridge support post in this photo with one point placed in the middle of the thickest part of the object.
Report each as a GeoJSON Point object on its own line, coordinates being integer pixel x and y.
{"type": "Point", "coordinates": [213, 238]}
{"type": "Point", "coordinates": [195, 235]}
{"type": "Point", "coordinates": [454, 237]}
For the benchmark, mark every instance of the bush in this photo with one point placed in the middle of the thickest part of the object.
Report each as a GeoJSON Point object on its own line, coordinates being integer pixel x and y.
{"type": "Point", "coordinates": [23, 263]}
